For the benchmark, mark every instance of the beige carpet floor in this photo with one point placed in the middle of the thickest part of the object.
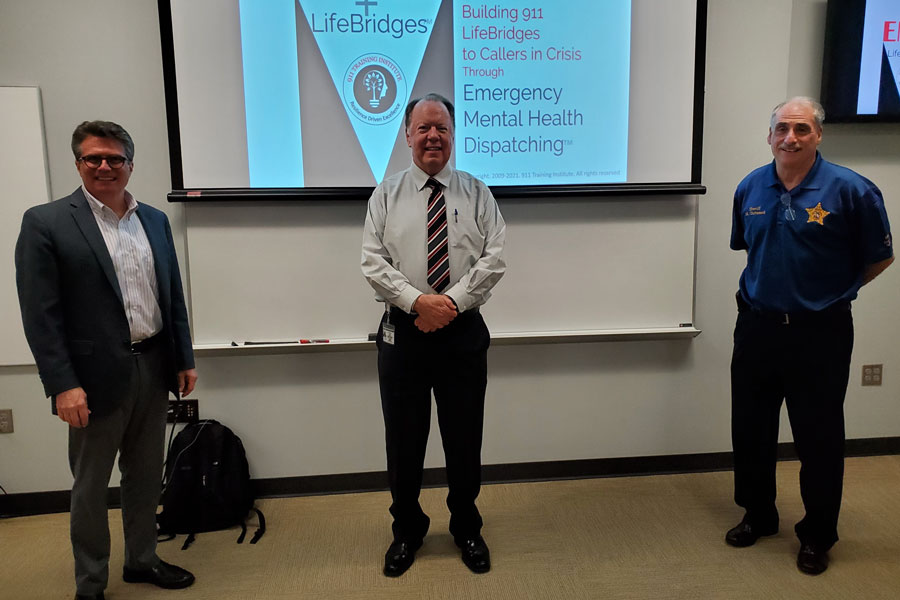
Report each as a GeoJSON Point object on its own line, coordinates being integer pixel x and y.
{"type": "Point", "coordinates": [629, 538]}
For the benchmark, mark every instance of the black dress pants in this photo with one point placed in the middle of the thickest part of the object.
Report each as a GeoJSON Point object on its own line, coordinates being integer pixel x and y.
{"type": "Point", "coordinates": [806, 363]}
{"type": "Point", "coordinates": [452, 362]}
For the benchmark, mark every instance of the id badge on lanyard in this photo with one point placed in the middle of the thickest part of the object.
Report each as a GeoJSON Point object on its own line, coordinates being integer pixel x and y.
{"type": "Point", "coordinates": [387, 330]}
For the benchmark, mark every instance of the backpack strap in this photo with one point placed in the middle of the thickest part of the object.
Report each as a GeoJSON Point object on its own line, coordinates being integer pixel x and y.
{"type": "Point", "coordinates": [187, 542]}
{"type": "Point", "coordinates": [260, 531]}
{"type": "Point", "coordinates": [262, 526]}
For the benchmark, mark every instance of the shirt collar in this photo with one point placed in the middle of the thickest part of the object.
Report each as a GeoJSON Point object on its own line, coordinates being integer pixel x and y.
{"type": "Point", "coordinates": [102, 210]}
{"type": "Point", "coordinates": [810, 181]}
{"type": "Point", "coordinates": [420, 177]}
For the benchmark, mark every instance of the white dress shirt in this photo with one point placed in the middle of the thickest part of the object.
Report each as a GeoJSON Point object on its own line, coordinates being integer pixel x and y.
{"type": "Point", "coordinates": [395, 241]}
{"type": "Point", "coordinates": [132, 259]}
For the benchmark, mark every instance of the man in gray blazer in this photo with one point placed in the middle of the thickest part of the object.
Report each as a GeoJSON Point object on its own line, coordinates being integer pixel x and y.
{"type": "Point", "coordinates": [104, 313]}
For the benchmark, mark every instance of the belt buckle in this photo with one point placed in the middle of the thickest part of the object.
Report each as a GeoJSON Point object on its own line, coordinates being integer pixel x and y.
{"type": "Point", "coordinates": [138, 347]}
{"type": "Point", "coordinates": [786, 320]}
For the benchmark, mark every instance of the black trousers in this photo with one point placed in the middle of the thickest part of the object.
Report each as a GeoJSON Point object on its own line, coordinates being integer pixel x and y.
{"type": "Point", "coordinates": [806, 363]}
{"type": "Point", "coordinates": [452, 362]}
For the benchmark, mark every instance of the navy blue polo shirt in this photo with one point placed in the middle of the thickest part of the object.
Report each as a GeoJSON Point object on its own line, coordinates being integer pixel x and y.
{"type": "Point", "coordinates": [817, 259]}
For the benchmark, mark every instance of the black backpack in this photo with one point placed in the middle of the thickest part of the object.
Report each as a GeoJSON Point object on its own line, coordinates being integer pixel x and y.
{"type": "Point", "coordinates": [206, 486]}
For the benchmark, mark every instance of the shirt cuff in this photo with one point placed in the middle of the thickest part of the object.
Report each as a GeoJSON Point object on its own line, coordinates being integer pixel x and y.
{"type": "Point", "coordinates": [461, 299]}
{"type": "Point", "coordinates": [407, 298]}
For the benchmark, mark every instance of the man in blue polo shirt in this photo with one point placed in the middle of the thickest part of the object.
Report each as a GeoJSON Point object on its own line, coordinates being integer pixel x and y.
{"type": "Point", "coordinates": [814, 233]}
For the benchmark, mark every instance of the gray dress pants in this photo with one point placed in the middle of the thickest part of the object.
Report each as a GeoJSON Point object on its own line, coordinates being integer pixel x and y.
{"type": "Point", "coordinates": [135, 430]}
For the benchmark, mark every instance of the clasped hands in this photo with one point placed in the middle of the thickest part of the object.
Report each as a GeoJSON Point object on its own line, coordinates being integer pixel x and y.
{"type": "Point", "coordinates": [435, 311]}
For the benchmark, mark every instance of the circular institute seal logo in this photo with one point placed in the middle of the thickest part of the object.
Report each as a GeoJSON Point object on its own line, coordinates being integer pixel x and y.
{"type": "Point", "coordinates": [374, 89]}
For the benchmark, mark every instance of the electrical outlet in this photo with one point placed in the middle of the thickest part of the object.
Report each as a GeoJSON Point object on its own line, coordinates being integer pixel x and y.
{"type": "Point", "coordinates": [6, 422]}
{"type": "Point", "coordinates": [183, 411]}
{"type": "Point", "coordinates": [871, 374]}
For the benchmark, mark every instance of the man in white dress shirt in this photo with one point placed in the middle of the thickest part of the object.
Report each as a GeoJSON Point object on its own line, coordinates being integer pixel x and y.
{"type": "Point", "coordinates": [432, 250]}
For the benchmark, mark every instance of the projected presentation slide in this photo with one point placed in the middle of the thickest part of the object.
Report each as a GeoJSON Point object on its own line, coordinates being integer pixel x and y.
{"type": "Point", "coordinates": [881, 40]}
{"type": "Point", "coordinates": [542, 91]}
{"type": "Point", "coordinates": [861, 72]}
{"type": "Point", "coordinates": [312, 93]}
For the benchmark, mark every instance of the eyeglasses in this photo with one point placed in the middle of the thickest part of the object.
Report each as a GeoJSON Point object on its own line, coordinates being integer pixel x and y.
{"type": "Point", "coordinates": [789, 214]}
{"type": "Point", "coordinates": [94, 161]}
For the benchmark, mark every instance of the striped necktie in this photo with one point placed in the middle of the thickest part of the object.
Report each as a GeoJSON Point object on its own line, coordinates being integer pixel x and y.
{"type": "Point", "coordinates": [438, 256]}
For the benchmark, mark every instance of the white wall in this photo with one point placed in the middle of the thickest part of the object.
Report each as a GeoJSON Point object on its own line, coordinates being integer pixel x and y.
{"type": "Point", "coordinates": [320, 413]}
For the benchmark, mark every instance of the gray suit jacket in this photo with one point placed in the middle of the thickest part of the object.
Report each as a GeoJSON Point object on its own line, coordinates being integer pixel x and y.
{"type": "Point", "coordinates": [72, 306]}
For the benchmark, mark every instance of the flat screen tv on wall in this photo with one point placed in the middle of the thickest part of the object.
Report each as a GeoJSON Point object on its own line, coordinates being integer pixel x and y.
{"type": "Point", "coordinates": [861, 66]}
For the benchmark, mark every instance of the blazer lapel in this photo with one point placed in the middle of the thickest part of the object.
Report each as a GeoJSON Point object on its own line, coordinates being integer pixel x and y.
{"type": "Point", "coordinates": [84, 218]}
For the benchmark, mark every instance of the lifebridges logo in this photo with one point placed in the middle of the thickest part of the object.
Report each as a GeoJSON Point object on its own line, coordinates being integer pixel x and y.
{"type": "Point", "coordinates": [373, 50]}
{"type": "Point", "coordinates": [357, 22]}
{"type": "Point", "coordinates": [375, 89]}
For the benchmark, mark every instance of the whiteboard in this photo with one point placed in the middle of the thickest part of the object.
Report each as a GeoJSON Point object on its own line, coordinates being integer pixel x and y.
{"type": "Point", "coordinates": [23, 173]}
{"type": "Point", "coordinates": [284, 271]}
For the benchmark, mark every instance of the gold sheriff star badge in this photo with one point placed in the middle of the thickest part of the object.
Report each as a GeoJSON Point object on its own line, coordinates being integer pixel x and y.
{"type": "Point", "coordinates": [817, 214]}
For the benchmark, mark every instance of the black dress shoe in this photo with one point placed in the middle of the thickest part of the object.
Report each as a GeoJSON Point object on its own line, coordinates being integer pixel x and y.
{"type": "Point", "coordinates": [811, 559]}
{"type": "Point", "coordinates": [745, 534]}
{"type": "Point", "coordinates": [400, 557]}
{"type": "Point", "coordinates": [475, 554]}
{"type": "Point", "coordinates": [162, 575]}
{"type": "Point", "coordinates": [89, 596]}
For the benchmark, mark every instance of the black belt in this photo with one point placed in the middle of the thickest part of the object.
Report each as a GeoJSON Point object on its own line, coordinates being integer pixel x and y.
{"type": "Point", "coordinates": [146, 344]}
{"type": "Point", "coordinates": [795, 318]}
